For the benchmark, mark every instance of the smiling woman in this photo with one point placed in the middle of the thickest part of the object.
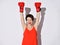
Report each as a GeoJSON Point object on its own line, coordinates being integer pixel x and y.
{"type": "Point", "coordinates": [29, 18]}
{"type": "Point", "coordinates": [30, 30]}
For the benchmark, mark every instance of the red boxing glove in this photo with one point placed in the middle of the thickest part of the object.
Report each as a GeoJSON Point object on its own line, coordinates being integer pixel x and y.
{"type": "Point", "coordinates": [38, 5]}
{"type": "Point", "coordinates": [21, 6]}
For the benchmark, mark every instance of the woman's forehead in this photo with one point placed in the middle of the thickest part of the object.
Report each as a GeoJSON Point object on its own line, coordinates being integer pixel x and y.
{"type": "Point", "coordinates": [28, 18]}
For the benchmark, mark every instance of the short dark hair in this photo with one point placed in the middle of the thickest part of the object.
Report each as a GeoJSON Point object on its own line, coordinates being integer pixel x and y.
{"type": "Point", "coordinates": [29, 15]}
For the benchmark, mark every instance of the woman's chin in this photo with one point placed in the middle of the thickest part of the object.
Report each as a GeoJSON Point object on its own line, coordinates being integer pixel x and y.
{"type": "Point", "coordinates": [29, 24]}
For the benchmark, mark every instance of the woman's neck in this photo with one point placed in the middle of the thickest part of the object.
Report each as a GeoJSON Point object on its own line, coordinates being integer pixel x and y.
{"type": "Point", "coordinates": [29, 26]}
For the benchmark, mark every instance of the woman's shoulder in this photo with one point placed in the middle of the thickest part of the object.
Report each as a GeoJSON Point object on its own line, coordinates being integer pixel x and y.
{"type": "Point", "coordinates": [35, 28]}
{"type": "Point", "coordinates": [24, 28]}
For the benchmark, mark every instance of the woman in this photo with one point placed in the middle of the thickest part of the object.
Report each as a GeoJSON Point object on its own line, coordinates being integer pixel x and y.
{"type": "Point", "coordinates": [30, 30]}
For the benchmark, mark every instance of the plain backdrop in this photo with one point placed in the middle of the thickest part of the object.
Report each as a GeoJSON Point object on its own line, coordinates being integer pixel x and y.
{"type": "Point", "coordinates": [11, 32]}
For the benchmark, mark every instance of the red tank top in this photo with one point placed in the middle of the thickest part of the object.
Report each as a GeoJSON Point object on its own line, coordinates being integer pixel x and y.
{"type": "Point", "coordinates": [30, 37]}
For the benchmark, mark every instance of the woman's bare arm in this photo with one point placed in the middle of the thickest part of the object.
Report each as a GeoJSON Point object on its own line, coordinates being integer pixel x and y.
{"type": "Point", "coordinates": [37, 19]}
{"type": "Point", "coordinates": [22, 20]}
{"type": "Point", "coordinates": [38, 9]}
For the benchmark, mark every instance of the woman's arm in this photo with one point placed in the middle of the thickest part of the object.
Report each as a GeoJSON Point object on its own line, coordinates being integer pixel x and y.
{"type": "Point", "coordinates": [37, 19]}
{"type": "Point", "coordinates": [21, 7]}
{"type": "Point", "coordinates": [37, 5]}
{"type": "Point", "coordinates": [22, 20]}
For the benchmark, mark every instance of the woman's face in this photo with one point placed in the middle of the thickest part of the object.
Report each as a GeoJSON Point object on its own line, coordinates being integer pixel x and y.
{"type": "Point", "coordinates": [29, 21]}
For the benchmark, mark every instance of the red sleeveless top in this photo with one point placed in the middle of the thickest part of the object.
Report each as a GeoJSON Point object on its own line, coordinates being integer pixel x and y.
{"type": "Point", "coordinates": [30, 37]}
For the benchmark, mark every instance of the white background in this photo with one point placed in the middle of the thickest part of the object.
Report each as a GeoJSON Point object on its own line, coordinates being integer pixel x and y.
{"type": "Point", "coordinates": [11, 32]}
